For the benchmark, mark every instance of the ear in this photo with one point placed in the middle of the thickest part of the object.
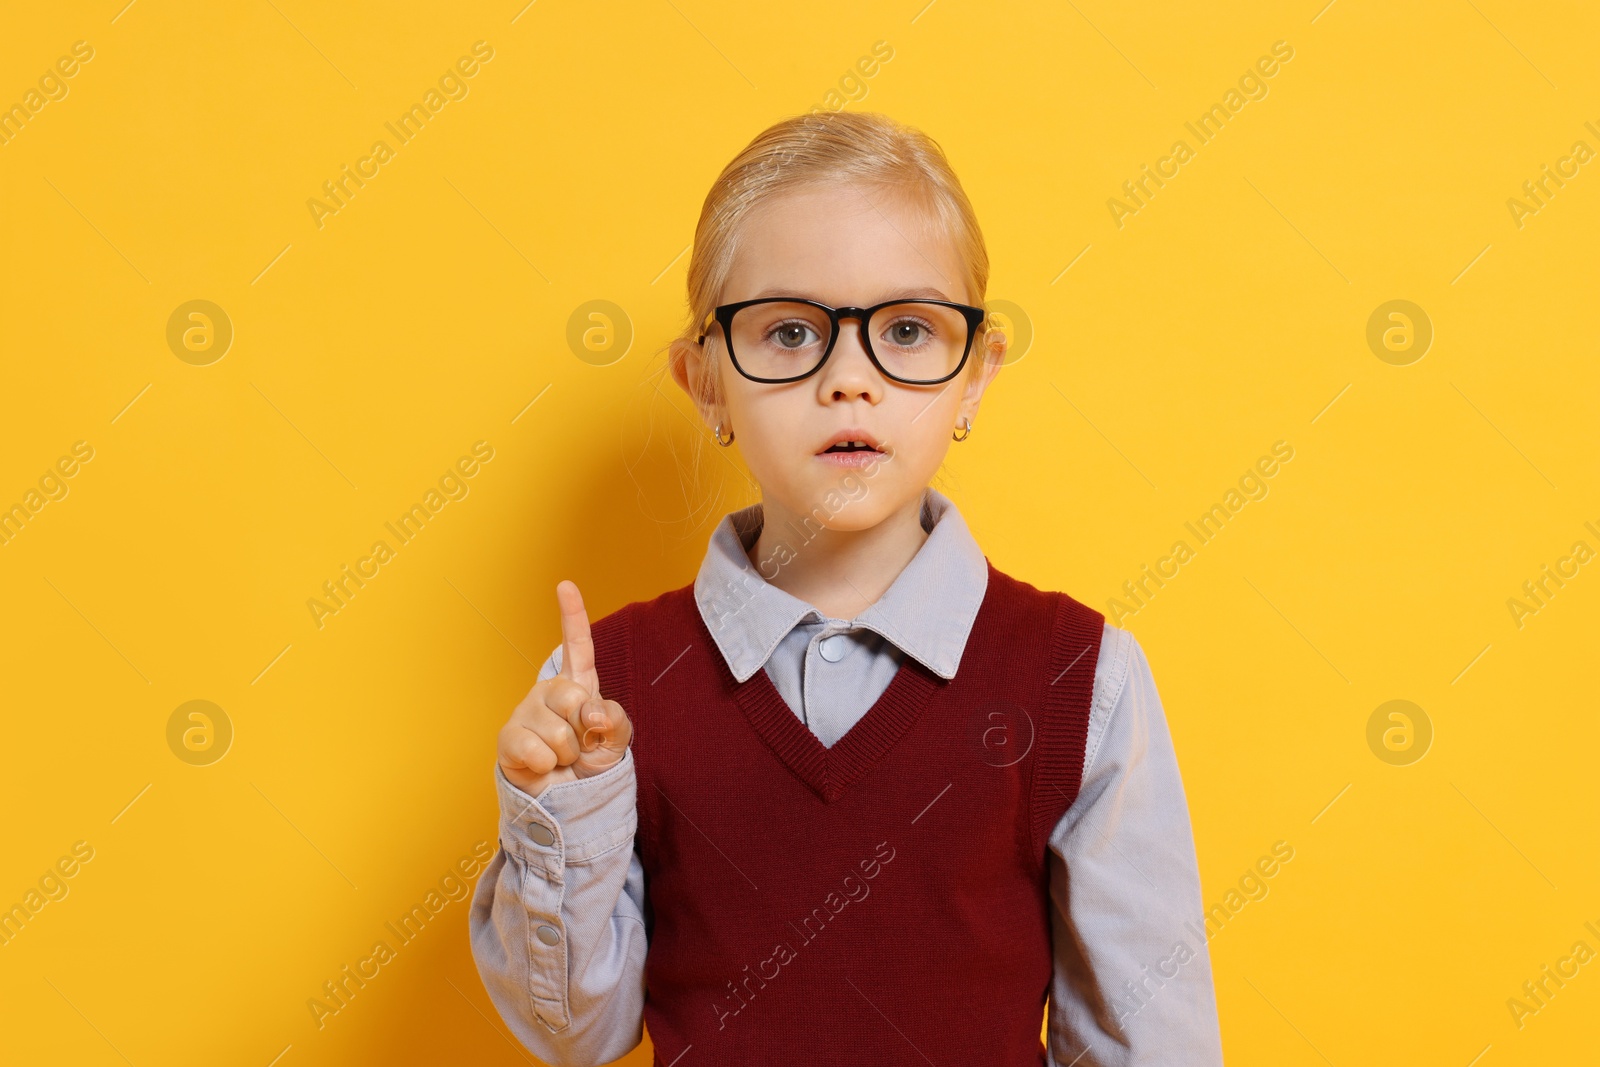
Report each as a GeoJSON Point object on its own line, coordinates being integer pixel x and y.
{"type": "Point", "coordinates": [688, 364]}
{"type": "Point", "coordinates": [989, 356]}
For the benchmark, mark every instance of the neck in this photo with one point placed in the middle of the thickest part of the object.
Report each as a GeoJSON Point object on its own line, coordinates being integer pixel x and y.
{"type": "Point", "coordinates": [839, 572]}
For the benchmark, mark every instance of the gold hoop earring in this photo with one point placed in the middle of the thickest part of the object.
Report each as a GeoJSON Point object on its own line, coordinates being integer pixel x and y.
{"type": "Point", "coordinates": [718, 432]}
{"type": "Point", "coordinates": [966, 425]}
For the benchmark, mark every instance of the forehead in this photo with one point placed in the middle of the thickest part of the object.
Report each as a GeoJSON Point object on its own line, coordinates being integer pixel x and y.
{"type": "Point", "coordinates": [843, 244]}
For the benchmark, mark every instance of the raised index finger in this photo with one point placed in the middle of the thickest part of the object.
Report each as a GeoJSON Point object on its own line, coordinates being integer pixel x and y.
{"type": "Point", "coordinates": [577, 646]}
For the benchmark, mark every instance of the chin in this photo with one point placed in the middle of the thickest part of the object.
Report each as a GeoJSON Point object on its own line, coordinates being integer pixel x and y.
{"type": "Point", "coordinates": [852, 503]}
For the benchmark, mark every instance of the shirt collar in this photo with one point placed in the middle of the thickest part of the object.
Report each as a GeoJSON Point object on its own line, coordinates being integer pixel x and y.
{"type": "Point", "coordinates": [927, 612]}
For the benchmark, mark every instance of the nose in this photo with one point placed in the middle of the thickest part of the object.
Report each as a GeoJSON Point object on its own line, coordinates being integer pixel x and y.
{"type": "Point", "coordinates": [849, 372]}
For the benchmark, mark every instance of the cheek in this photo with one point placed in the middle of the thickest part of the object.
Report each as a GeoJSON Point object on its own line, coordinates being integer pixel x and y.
{"type": "Point", "coordinates": [924, 431]}
{"type": "Point", "coordinates": [771, 430]}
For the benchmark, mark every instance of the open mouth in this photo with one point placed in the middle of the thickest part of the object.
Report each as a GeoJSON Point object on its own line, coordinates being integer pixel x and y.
{"type": "Point", "coordinates": [850, 446]}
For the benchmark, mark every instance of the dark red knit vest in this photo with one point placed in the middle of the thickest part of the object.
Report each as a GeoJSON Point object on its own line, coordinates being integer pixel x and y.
{"type": "Point", "coordinates": [885, 901]}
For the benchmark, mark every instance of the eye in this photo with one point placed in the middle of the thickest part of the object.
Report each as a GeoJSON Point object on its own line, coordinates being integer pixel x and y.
{"type": "Point", "coordinates": [908, 332]}
{"type": "Point", "coordinates": [793, 334]}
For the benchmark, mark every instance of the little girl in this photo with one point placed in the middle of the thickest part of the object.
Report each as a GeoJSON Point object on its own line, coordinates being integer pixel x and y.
{"type": "Point", "coordinates": [853, 796]}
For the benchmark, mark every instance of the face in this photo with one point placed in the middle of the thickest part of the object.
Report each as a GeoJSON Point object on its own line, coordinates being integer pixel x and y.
{"type": "Point", "coordinates": [843, 245]}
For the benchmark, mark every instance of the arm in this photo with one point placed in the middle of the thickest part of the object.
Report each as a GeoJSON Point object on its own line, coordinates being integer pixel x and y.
{"type": "Point", "coordinates": [579, 1000]}
{"type": "Point", "coordinates": [1132, 984]}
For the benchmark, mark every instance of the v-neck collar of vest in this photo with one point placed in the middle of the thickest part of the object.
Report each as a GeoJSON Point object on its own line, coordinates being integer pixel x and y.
{"type": "Point", "coordinates": [830, 771]}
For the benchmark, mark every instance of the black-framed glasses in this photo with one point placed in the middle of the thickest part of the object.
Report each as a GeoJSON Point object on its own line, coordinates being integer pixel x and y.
{"type": "Point", "coordinates": [786, 338]}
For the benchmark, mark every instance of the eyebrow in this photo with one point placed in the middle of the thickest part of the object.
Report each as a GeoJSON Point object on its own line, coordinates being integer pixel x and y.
{"type": "Point", "coordinates": [898, 294]}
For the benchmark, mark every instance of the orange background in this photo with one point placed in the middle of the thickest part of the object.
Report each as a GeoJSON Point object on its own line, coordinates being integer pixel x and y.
{"type": "Point", "coordinates": [369, 353]}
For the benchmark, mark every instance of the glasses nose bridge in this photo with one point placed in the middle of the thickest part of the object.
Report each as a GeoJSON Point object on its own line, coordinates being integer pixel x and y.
{"type": "Point", "coordinates": [862, 317]}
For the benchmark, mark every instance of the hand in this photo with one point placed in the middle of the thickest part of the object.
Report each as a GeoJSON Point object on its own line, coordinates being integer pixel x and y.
{"type": "Point", "coordinates": [563, 729]}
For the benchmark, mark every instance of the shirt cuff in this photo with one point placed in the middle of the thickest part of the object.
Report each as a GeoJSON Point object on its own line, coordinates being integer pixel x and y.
{"type": "Point", "coordinates": [572, 822]}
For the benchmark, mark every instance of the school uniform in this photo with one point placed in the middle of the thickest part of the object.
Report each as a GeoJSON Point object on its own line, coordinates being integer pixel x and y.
{"type": "Point", "coordinates": [883, 839]}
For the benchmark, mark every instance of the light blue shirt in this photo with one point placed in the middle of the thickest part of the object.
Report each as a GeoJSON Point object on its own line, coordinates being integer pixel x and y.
{"type": "Point", "coordinates": [557, 919]}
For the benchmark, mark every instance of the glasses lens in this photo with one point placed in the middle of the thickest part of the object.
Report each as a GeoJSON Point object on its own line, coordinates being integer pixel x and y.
{"type": "Point", "coordinates": [780, 339]}
{"type": "Point", "coordinates": [919, 342]}
{"type": "Point", "coordinates": [914, 341]}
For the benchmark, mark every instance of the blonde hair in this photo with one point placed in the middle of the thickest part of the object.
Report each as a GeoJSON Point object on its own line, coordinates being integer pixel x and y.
{"type": "Point", "coordinates": [815, 149]}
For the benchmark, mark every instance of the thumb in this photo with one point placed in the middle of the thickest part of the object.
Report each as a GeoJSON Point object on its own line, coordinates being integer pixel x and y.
{"type": "Point", "coordinates": [604, 726]}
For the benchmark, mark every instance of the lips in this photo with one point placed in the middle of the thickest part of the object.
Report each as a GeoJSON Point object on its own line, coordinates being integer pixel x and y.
{"type": "Point", "coordinates": [852, 439]}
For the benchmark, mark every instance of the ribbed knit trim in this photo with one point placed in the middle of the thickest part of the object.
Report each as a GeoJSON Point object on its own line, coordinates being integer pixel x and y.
{"type": "Point", "coordinates": [1063, 736]}
{"type": "Point", "coordinates": [830, 771]}
{"type": "Point", "coordinates": [612, 644]}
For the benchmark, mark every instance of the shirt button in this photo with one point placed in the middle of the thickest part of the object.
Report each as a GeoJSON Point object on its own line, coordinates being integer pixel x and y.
{"type": "Point", "coordinates": [833, 648]}
{"type": "Point", "coordinates": [541, 834]}
{"type": "Point", "coordinates": [548, 934]}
